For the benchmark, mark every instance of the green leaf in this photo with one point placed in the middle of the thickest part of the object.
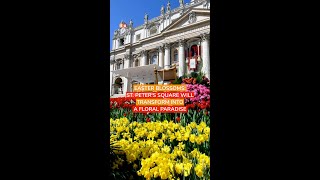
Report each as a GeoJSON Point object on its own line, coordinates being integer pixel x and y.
{"type": "Point", "coordinates": [194, 116]}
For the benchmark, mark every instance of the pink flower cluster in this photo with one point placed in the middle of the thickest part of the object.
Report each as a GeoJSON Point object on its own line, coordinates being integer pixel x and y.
{"type": "Point", "coordinates": [201, 93]}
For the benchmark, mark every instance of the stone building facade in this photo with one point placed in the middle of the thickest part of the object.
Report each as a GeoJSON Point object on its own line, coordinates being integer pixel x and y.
{"type": "Point", "coordinates": [177, 36]}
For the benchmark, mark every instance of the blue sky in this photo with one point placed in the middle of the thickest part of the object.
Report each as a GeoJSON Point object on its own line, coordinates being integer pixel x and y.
{"type": "Point", "coordinates": [135, 10]}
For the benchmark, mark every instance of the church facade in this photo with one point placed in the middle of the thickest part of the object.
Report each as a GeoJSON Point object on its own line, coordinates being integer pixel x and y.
{"type": "Point", "coordinates": [177, 37]}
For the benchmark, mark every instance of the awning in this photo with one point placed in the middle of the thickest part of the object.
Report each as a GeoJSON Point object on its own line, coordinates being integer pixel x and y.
{"type": "Point", "coordinates": [143, 74]}
{"type": "Point", "coordinates": [168, 74]}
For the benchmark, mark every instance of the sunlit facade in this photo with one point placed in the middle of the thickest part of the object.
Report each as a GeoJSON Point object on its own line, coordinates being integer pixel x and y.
{"type": "Point", "coordinates": [177, 37]}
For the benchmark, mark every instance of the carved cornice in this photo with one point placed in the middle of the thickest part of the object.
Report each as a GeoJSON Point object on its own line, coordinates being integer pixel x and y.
{"type": "Point", "coordinates": [143, 53]}
{"type": "Point", "coordinates": [181, 42]}
{"type": "Point", "coordinates": [205, 36]}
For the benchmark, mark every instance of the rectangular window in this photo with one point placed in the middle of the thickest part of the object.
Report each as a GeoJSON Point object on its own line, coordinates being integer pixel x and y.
{"type": "Point", "coordinates": [122, 42]}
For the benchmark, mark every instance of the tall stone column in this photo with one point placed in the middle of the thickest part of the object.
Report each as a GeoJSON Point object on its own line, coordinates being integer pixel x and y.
{"type": "Point", "coordinates": [167, 56]}
{"type": "Point", "coordinates": [205, 54]}
{"type": "Point", "coordinates": [125, 85]}
{"type": "Point", "coordinates": [145, 33]}
{"type": "Point", "coordinates": [128, 38]}
{"type": "Point", "coordinates": [161, 63]}
{"type": "Point", "coordinates": [126, 61]}
{"type": "Point", "coordinates": [122, 63]}
{"type": "Point", "coordinates": [143, 58]}
{"type": "Point", "coordinates": [128, 89]}
{"type": "Point", "coordinates": [181, 56]}
{"type": "Point", "coordinates": [113, 44]}
{"type": "Point", "coordinates": [117, 43]}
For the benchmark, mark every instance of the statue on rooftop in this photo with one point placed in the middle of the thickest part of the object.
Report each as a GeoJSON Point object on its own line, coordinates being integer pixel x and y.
{"type": "Point", "coordinates": [116, 32]}
{"type": "Point", "coordinates": [162, 10]}
{"type": "Point", "coordinates": [181, 2]}
{"type": "Point", "coordinates": [168, 6]}
{"type": "Point", "coordinates": [145, 18]}
{"type": "Point", "coordinates": [130, 24]}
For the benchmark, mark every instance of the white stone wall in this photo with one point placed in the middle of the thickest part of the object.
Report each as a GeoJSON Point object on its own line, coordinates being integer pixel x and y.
{"type": "Point", "coordinates": [175, 16]}
{"type": "Point", "coordinates": [126, 63]}
{"type": "Point", "coordinates": [137, 33]}
{"type": "Point", "coordinates": [171, 36]}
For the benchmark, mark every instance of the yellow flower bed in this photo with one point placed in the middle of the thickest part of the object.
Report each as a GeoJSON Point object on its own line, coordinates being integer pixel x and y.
{"type": "Point", "coordinates": [165, 150]}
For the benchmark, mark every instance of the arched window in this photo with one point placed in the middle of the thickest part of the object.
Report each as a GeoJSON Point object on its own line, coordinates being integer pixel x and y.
{"type": "Point", "coordinates": [118, 81]}
{"type": "Point", "coordinates": [194, 50]}
{"type": "Point", "coordinates": [136, 63]}
{"type": "Point", "coordinates": [154, 59]}
{"type": "Point", "coordinates": [118, 86]}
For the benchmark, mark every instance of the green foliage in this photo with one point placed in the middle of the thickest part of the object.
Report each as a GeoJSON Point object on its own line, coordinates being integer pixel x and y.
{"type": "Point", "coordinates": [201, 74]}
{"type": "Point", "coordinates": [199, 79]}
{"type": "Point", "coordinates": [194, 74]}
{"type": "Point", "coordinates": [177, 81]}
{"type": "Point", "coordinates": [184, 76]}
{"type": "Point", "coordinates": [193, 115]}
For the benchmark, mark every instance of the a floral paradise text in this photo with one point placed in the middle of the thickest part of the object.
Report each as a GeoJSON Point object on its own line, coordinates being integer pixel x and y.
{"type": "Point", "coordinates": [160, 98]}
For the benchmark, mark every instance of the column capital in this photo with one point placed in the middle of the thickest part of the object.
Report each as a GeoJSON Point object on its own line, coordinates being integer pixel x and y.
{"type": "Point", "coordinates": [143, 52]}
{"type": "Point", "coordinates": [205, 36]}
{"type": "Point", "coordinates": [112, 59]}
{"type": "Point", "coordinates": [166, 45]}
{"type": "Point", "coordinates": [160, 48]}
{"type": "Point", "coordinates": [119, 61]}
{"type": "Point", "coordinates": [181, 42]}
{"type": "Point", "coordinates": [126, 56]}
